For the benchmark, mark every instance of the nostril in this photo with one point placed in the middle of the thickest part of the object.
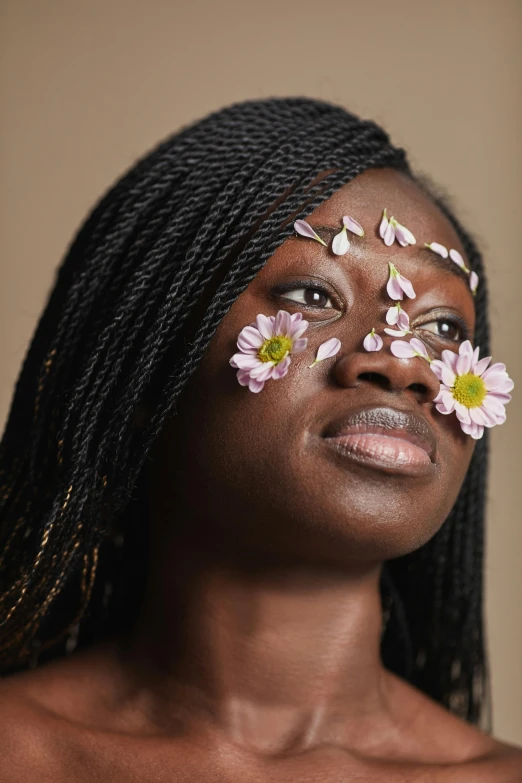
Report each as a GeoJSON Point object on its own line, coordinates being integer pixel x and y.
{"type": "Point", "coordinates": [418, 388]}
{"type": "Point", "coordinates": [375, 378]}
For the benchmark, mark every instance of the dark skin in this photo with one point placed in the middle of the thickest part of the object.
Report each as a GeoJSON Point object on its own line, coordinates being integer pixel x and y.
{"type": "Point", "coordinates": [256, 655]}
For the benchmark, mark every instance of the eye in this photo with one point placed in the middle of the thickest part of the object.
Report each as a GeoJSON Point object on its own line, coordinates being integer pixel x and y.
{"type": "Point", "coordinates": [311, 296]}
{"type": "Point", "coordinates": [445, 328]}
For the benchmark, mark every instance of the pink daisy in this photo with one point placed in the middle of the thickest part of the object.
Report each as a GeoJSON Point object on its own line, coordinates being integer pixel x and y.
{"type": "Point", "coordinates": [265, 346]}
{"type": "Point", "coordinates": [476, 392]}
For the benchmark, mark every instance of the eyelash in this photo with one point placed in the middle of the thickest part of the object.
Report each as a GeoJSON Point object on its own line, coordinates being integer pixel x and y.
{"type": "Point", "coordinates": [297, 285]}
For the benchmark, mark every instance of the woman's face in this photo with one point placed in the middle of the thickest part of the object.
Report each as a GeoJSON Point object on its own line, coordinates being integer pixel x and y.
{"type": "Point", "coordinates": [256, 472]}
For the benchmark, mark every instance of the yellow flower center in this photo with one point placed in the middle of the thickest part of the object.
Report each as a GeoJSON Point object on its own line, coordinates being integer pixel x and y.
{"type": "Point", "coordinates": [275, 349]}
{"type": "Point", "coordinates": [470, 390]}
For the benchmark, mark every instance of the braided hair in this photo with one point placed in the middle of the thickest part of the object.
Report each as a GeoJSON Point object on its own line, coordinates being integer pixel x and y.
{"type": "Point", "coordinates": [137, 299]}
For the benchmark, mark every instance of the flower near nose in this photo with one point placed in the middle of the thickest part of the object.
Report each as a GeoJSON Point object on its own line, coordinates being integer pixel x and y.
{"type": "Point", "coordinates": [372, 342]}
{"type": "Point", "coordinates": [265, 348]}
{"type": "Point", "coordinates": [398, 285]}
{"type": "Point", "coordinates": [475, 391]}
{"type": "Point", "coordinates": [408, 350]}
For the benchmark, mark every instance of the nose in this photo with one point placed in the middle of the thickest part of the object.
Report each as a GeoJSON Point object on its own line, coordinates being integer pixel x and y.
{"type": "Point", "coordinates": [383, 369]}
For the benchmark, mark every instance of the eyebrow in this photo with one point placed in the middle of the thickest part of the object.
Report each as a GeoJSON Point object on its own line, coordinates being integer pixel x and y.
{"type": "Point", "coordinates": [327, 233]}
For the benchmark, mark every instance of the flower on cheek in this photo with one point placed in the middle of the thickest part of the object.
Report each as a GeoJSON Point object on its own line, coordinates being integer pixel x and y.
{"type": "Point", "coordinates": [265, 348]}
{"type": "Point", "coordinates": [372, 342]}
{"type": "Point", "coordinates": [398, 285]}
{"type": "Point", "coordinates": [475, 393]}
{"type": "Point", "coordinates": [326, 350]}
{"type": "Point", "coordinates": [306, 230]}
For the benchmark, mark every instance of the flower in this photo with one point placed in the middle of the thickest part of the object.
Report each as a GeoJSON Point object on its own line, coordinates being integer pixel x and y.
{"type": "Point", "coordinates": [326, 350]}
{"type": "Point", "coordinates": [397, 284]}
{"type": "Point", "coordinates": [437, 248]}
{"type": "Point", "coordinates": [265, 346]}
{"type": "Point", "coordinates": [391, 230]}
{"type": "Point", "coordinates": [457, 258]}
{"type": "Point", "coordinates": [403, 235]}
{"type": "Point", "coordinates": [475, 393]}
{"type": "Point", "coordinates": [341, 243]}
{"type": "Point", "coordinates": [372, 342]}
{"type": "Point", "coordinates": [352, 225]}
{"type": "Point", "coordinates": [473, 282]}
{"type": "Point", "coordinates": [408, 350]}
{"type": "Point", "coordinates": [306, 230]}
{"type": "Point", "coordinates": [396, 315]}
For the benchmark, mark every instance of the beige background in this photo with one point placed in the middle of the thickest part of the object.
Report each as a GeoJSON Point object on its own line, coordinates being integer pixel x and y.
{"type": "Point", "coordinates": [89, 86]}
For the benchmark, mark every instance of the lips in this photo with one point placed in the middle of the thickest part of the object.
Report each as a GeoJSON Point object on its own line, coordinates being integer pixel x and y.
{"type": "Point", "coordinates": [385, 438]}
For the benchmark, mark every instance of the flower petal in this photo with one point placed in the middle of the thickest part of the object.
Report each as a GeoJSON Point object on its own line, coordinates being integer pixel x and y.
{"type": "Point", "coordinates": [419, 347]}
{"type": "Point", "coordinates": [402, 349]}
{"type": "Point", "coordinates": [384, 224]}
{"type": "Point", "coordinates": [464, 363]}
{"type": "Point", "coordinates": [281, 369]}
{"type": "Point", "coordinates": [397, 332]}
{"type": "Point", "coordinates": [437, 248]}
{"type": "Point", "coordinates": [255, 385]}
{"type": "Point", "coordinates": [244, 361]}
{"type": "Point", "coordinates": [299, 345]}
{"type": "Point", "coordinates": [265, 326]}
{"type": "Point", "coordinates": [282, 323]}
{"type": "Point", "coordinates": [328, 349]}
{"type": "Point", "coordinates": [306, 230]}
{"type": "Point", "coordinates": [406, 286]}
{"type": "Point", "coordinates": [457, 258]}
{"type": "Point", "coordinates": [243, 376]}
{"type": "Point", "coordinates": [403, 321]}
{"type": "Point", "coordinates": [389, 234]}
{"type": "Point", "coordinates": [372, 342]}
{"type": "Point", "coordinates": [481, 365]}
{"type": "Point", "coordinates": [404, 235]}
{"type": "Point", "coordinates": [341, 243]}
{"type": "Point", "coordinates": [352, 225]}
{"type": "Point", "coordinates": [473, 282]}
{"type": "Point", "coordinates": [249, 340]}
{"type": "Point", "coordinates": [392, 315]}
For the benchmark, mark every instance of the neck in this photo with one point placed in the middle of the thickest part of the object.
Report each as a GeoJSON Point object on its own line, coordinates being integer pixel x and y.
{"type": "Point", "coordinates": [275, 656]}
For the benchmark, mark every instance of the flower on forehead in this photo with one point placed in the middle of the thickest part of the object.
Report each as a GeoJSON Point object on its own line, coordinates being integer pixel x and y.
{"type": "Point", "coordinates": [457, 258]}
{"type": "Point", "coordinates": [326, 350]}
{"type": "Point", "coordinates": [398, 285]}
{"type": "Point", "coordinates": [391, 230]}
{"type": "Point", "coordinates": [408, 350]}
{"type": "Point", "coordinates": [437, 248]}
{"type": "Point", "coordinates": [306, 230]}
{"type": "Point", "coordinates": [473, 282]}
{"type": "Point", "coordinates": [372, 342]}
{"type": "Point", "coordinates": [403, 235]}
{"type": "Point", "coordinates": [265, 348]}
{"type": "Point", "coordinates": [341, 243]}
{"type": "Point", "coordinates": [475, 391]}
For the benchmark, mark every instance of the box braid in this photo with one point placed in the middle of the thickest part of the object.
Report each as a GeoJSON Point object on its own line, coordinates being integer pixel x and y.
{"type": "Point", "coordinates": [137, 299]}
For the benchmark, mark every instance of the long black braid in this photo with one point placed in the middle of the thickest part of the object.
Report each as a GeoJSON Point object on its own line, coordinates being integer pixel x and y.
{"type": "Point", "coordinates": [141, 291]}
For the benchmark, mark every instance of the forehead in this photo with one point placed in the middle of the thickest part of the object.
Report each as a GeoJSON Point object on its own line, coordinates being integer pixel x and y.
{"type": "Point", "coordinates": [369, 193]}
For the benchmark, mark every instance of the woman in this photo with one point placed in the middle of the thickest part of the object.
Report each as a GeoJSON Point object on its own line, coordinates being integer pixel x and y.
{"type": "Point", "coordinates": [243, 473]}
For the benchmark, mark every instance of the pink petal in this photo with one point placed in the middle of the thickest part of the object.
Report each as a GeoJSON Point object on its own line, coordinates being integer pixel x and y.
{"type": "Point", "coordinates": [397, 332]}
{"type": "Point", "coordinates": [465, 347]}
{"type": "Point", "coordinates": [282, 322]}
{"type": "Point", "coordinates": [255, 386]}
{"type": "Point", "coordinates": [503, 398]}
{"type": "Point", "coordinates": [372, 342]}
{"type": "Point", "coordinates": [442, 409]}
{"type": "Point", "coordinates": [439, 397]}
{"type": "Point", "coordinates": [419, 347]}
{"type": "Point", "coordinates": [402, 350]}
{"type": "Point", "coordinates": [245, 361]}
{"type": "Point", "coordinates": [457, 258]}
{"type": "Point", "coordinates": [447, 376]}
{"type": "Point", "coordinates": [393, 288]}
{"type": "Point", "coordinates": [448, 400]}
{"type": "Point", "coordinates": [473, 281]}
{"type": "Point", "coordinates": [499, 382]}
{"type": "Point", "coordinates": [403, 322]}
{"type": "Point", "coordinates": [328, 349]}
{"type": "Point", "coordinates": [384, 224]}
{"type": "Point", "coordinates": [464, 363]}
{"type": "Point", "coordinates": [298, 346]}
{"type": "Point", "coordinates": [263, 372]}
{"type": "Point", "coordinates": [404, 235]}
{"type": "Point", "coordinates": [389, 235]}
{"type": "Point", "coordinates": [437, 248]}
{"type": "Point", "coordinates": [496, 367]}
{"type": "Point", "coordinates": [249, 340]}
{"type": "Point", "coordinates": [353, 226]}
{"type": "Point", "coordinates": [481, 366]}
{"type": "Point", "coordinates": [437, 367]}
{"type": "Point", "coordinates": [392, 316]}
{"type": "Point", "coordinates": [243, 377]}
{"type": "Point", "coordinates": [406, 286]}
{"type": "Point", "coordinates": [265, 326]}
{"type": "Point", "coordinates": [341, 243]}
{"type": "Point", "coordinates": [477, 415]}
{"type": "Point", "coordinates": [306, 230]}
{"type": "Point", "coordinates": [462, 412]}
{"type": "Point", "coordinates": [281, 369]}
{"type": "Point", "coordinates": [450, 358]}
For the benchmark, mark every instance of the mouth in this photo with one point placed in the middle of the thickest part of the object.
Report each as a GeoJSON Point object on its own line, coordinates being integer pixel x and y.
{"type": "Point", "coordinates": [386, 439]}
